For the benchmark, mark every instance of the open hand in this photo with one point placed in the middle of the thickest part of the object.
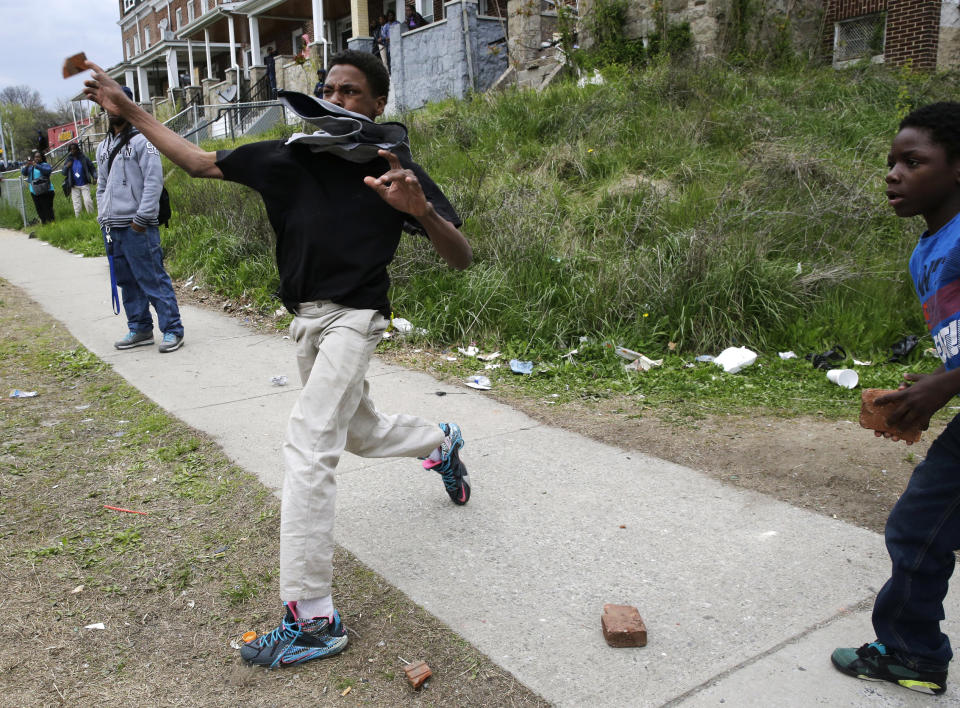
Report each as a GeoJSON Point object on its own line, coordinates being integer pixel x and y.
{"type": "Point", "coordinates": [399, 187]}
{"type": "Point", "coordinates": [101, 89]}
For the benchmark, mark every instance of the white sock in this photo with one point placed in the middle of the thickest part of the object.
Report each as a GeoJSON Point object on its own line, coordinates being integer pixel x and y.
{"type": "Point", "coordinates": [436, 455]}
{"type": "Point", "coordinates": [315, 607]}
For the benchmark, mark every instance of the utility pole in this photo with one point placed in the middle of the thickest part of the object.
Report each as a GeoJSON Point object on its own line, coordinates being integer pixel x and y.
{"type": "Point", "coordinates": [3, 143]}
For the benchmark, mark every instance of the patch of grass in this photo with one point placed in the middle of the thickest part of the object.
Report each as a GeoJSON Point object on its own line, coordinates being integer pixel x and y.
{"type": "Point", "coordinates": [183, 579]}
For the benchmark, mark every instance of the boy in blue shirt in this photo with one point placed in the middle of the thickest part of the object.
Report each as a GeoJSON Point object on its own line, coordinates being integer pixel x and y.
{"type": "Point", "coordinates": [923, 530]}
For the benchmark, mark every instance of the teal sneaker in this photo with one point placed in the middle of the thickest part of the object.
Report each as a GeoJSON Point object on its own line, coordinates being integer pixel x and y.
{"type": "Point", "coordinates": [873, 662]}
{"type": "Point", "coordinates": [451, 469]}
{"type": "Point", "coordinates": [170, 343]}
{"type": "Point", "coordinates": [297, 640]}
{"type": "Point", "coordinates": [134, 339]}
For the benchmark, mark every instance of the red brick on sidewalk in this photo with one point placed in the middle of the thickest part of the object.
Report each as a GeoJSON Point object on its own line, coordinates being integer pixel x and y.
{"type": "Point", "coordinates": [623, 626]}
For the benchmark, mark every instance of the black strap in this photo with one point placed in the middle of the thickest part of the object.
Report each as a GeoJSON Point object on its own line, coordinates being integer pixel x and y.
{"type": "Point", "coordinates": [125, 138]}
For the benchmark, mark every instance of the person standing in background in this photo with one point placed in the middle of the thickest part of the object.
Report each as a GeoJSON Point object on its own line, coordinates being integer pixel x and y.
{"type": "Point", "coordinates": [37, 171]}
{"type": "Point", "coordinates": [78, 174]}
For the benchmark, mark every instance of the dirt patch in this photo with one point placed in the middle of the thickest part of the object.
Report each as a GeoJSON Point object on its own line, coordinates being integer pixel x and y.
{"type": "Point", "coordinates": [174, 586]}
{"type": "Point", "coordinates": [831, 467]}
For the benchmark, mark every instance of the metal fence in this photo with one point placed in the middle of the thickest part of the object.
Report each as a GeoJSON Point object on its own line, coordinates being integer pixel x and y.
{"type": "Point", "coordinates": [197, 123]}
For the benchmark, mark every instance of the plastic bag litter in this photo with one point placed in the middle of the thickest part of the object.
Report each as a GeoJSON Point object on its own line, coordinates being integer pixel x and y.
{"type": "Point", "coordinates": [642, 363]}
{"type": "Point", "coordinates": [401, 326]}
{"type": "Point", "coordinates": [733, 359]}
{"type": "Point", "coordinates": [704, 358]}
{"type": "Point", "coordinates": [787, 355]}
{"type": "Point", "coordinates": [488, 357]}
{"type": "Point", "coordinates": [595, 80]}
{"type": "Point", "coordinates": [828, 359]}
{"type": "Point", "coordinates": [481, 383]}
{"type": "Point", "coordinates": [901, 350]}
{"type": "Point", "coordinates": [627, 353]}
{"type": "Point", "coordinates": [521, 367]}
{"type": "Point", "coordinates": [17, 393]}
{"type": "Point", "coordinates": [470, 351]}
{"type": "Point", "coordinates": [862, 363]}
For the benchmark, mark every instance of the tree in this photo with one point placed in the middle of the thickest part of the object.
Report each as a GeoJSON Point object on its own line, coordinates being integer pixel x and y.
{"type": "Point", "coordinates": [23, 113]}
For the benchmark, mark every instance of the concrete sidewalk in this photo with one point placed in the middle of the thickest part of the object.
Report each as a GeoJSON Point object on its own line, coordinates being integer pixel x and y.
{"type": "Point", "coordinates": [744, 597]}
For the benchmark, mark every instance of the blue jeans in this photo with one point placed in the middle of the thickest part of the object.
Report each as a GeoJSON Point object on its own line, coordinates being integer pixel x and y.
{"type": "Point", "coordinates": [138, 265]}
{"type": "Point", "coordinates": [922, 533]}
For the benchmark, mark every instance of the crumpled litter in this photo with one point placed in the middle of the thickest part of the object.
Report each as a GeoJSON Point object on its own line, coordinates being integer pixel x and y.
{"type": "Point", "coordinates": [734, 359]}
{"type": "Point", "coordinates": [902, 349]}
{"type": "Point", "coordinates": [470, 351]}
{"type": "Point", "coordinates": [481, 383]}
{"type": "Point", "coordinates": [96, 625]}
{"type": "Point", "coordinates": [787, 355]}
{"type": "Point", "coordinates": [403, 326]}
{"type": "Point", "coordinates": [642, 363]}
{"type": "Point", "coordinates": [280, 380]}
{"type": "Point", "coordinates": [628, 354]}
{"type": "Point", "coordinates": [703, 358]}
{"type": "Point", "coordinates": [521, 367]}
{"type": "Point", "coordinates": [862, 363]}
{"type": "Point", "coordinates": [595, 80]}
{"type": "Point", "coordinates": [488, 357]}
{"type": "Point", "coordinates": [17, 393]}
{"type": "Point", "coordinates": [827, 359]}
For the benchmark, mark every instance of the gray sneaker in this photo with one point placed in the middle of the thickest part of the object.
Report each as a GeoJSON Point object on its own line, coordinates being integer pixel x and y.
{"type": "Point", "coordinates": [134, 339]}
{"type": "Point", "coordinates": [170, 343]}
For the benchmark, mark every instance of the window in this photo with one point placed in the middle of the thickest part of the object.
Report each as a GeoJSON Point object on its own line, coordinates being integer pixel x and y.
{"type": "Point", "coordinates": [136, 44]}
{"type": "Point", "coordinates": [190, 15]}
{"type": "Point", "coordinates": [128, 4]}
{"type": "Point", "coordinates": [126, 49]}
{"type": "Point", "coordinates": [204, 6]}
{"type": "Point", "coordinates": [179, 18]}
{"type": "Point", "coordinates": [146, 38]}
{"type": "Point", "coordinates": [859, 38]}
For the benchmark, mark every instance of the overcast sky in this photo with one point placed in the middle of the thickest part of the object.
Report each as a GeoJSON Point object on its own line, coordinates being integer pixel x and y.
{"type": "Point", "coordinates": [37, 35]}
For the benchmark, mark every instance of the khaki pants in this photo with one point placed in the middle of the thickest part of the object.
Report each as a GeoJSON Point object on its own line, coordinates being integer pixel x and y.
{"type": "Point", "coordinates": [333, 413]}
{"type": "Point", "coordinates": [81, 194]}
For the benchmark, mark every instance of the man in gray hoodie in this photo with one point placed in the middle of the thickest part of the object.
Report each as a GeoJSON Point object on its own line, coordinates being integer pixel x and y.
{"type": "Point", "coordinates": [128, 201]}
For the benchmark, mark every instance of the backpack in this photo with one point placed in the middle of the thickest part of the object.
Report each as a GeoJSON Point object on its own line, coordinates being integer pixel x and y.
{"type": "Point", "coordinates": [164, 213]}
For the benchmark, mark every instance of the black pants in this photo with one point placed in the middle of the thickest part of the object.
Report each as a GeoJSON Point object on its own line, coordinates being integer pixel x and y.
{"type": "Point", "coordinates": [44, 205]}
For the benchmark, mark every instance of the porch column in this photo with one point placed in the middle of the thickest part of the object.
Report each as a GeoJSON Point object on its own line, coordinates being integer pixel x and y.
{"type": "Point", "coordinates": [359, 19]}
{"type": "Point", "coordinates": [321, 36]}
{"type": "Point", "coordinates": [190, 59]}
{"type": "Point", "coordinates": [255, 56]}
{"type": "Point", "coordinates": [233, 42]}
{"type": "Point", "coordinates": [206, 42]}
{"type": "Point", "coordinates": [173, 69]}
{"type": "Point", "coordinates": [143, 85]}
{"type": "Point", "coordinates": [129, 80]}
{"type": "Point", "coordinates": [360, 38]}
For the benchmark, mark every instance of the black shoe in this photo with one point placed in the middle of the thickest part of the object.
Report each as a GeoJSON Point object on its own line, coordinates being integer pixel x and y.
{"type": "Point", "coordinates": [873, 662]}
{"type": "Point", "coordinates": [296, 641]}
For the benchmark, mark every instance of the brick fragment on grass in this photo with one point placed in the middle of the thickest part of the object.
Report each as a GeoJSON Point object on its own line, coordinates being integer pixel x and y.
{"type": "Point", "coordinates": [623, 626]}
{"type": "Point", "coordinates": [874, 417]}
{"type": "Point", "coordinates": [417, 673]}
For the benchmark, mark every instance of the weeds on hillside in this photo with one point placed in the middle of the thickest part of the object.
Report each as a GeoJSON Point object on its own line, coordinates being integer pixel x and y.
{"type": "Point", "coordinates": [690, 202]}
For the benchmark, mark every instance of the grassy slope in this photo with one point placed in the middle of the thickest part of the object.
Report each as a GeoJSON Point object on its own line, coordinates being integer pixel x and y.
{"type": "Point", "coordinates": [703, 205]}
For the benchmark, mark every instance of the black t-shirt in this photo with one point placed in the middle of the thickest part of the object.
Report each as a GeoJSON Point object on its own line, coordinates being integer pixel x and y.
{"type": "Point", "coordinates": [335, 235]}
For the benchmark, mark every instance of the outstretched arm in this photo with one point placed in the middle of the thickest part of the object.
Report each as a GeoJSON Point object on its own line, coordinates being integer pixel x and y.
{"type": "Point", "coordinates": [401, 189]}
{"type": "Point", "coordinates": [192, 158]}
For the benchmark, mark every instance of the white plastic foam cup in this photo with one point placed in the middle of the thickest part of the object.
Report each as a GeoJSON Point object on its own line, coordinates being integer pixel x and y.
{"type": "Point", "coordinates": [848, 378]}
